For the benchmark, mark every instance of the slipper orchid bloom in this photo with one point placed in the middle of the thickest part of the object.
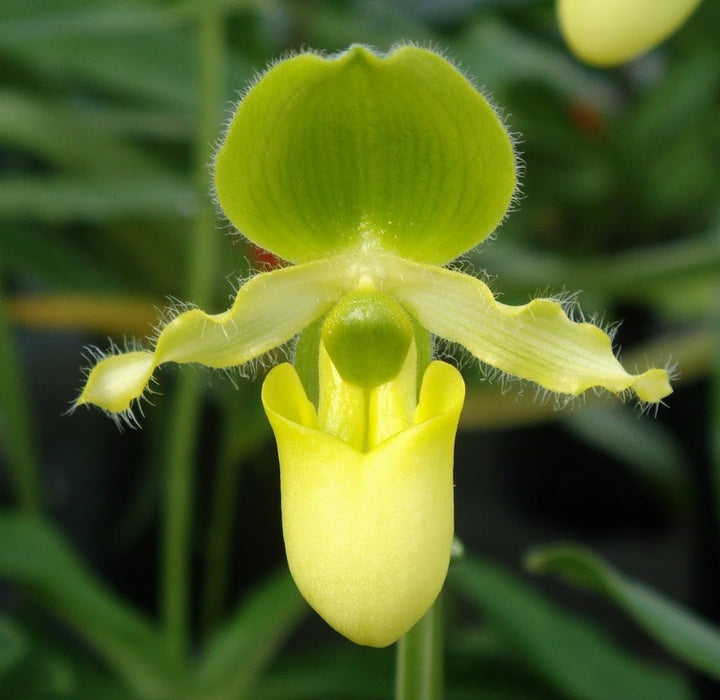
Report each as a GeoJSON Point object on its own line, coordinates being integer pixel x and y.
{"type": "Point", "coordinates": [369, 173]}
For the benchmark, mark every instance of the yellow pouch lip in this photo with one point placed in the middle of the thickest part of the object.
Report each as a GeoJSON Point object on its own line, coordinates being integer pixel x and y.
{"type": "Point", "coordinates": [367, 534]}
{"type": "Point", "coordinates": [442, 393]}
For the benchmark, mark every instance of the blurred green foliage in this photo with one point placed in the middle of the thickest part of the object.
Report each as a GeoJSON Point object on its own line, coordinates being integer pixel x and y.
{"type": "Point", "coordinates": [100, 103]}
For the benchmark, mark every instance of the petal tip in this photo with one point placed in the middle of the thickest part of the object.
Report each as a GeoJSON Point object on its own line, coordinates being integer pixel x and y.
{"type": "Point", "coordinates": [653, 386]}
{"type": "Point", "coordinates": [115, 382]}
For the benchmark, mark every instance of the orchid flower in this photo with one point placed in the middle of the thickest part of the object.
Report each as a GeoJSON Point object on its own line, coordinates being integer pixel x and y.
{"type": "Point", "coordinates": [369, 174]}
{"type": "Point", "coordinates": [611, 32]}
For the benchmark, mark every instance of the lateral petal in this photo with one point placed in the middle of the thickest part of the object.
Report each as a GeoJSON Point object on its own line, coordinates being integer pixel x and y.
{"type": "Point", "coordinates": [268, 311]}
{"type": "Point", "coordinates": [536, 341]}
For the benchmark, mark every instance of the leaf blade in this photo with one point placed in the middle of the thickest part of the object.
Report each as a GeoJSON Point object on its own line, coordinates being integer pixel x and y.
{"type": "Point", "coordinates": [238, 652]}
{"type": "Point", "coordinates": [678, 630]}
{"type": "Point", "coordinates": [572, 654]}
{"type": "Point", "coordinates": [34, 555]}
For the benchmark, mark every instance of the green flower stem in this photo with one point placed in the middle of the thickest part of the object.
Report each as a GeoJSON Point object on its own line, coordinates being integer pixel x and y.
{"type": "Point", "coordinates": [183, 424]}
{"type": "Point", "coordinates": [419, 654]}
{"type": "Point", "coordinates": [218, 542]}
{"type": "Point", "coordinates": [236, 446]}
{"type": "Point", "coordinates": [180, 453]}
{"type": "Point", "coordinates": [635, 273]}
{"type": "Point", "coordinates": [715, 413]}
{"type": "Point", "coordinates": [419, 659]}
{"type": "Point", "coordinates": [18, 439]}
{"type": "Point", "coordinates": [211, 50]}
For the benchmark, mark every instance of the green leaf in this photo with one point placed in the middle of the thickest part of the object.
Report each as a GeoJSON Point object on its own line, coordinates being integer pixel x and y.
{"type": "Point", "coordinates": [347, 672]}
{"type": "Point", "coordinates": [132, 49]}
{"type": "Point", "coordinates": [365, 152]}
{"type": "Point", "coordinates": [158, 124]}
{"type": "Point", "coordinates": [59, 200]}
{"type": "Point", "coordinates": [41, 675]}
{"type": "Point", "coordinates": [571, 653]}
{"type": "Point", "coordinates": [635, 274]}
{"type": "Point", "coordinates": [240, 650]}
{"type": "Point", "coordinates": [351, 672]}
{"type": "Point", "coordinates": [681, 632]}
{"type": "Point", "coordinates": [48, 667]}
{"type": "Point", "coordinates": [675, 105]}
{"type": "Point", "coordinates": [27, 19]}
{"type": "Point", "coordinates": [67, 137]}
{"type": "Point", "coordinates": [13, 645]}
{"type": "Point", "coordinates": [34, 556]}
{"type": "Point", "coordinates": [124, 49]}
{"type": "Point", "coordinates": [378, 24]}
{"type": "Point", "coordinates": [53, 260]}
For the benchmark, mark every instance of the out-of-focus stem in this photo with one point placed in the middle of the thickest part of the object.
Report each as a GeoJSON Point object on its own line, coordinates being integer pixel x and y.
{"type": "Point", "coordinates": [183, 427]}
{"type": "Point", "coordinates": [419, 654]}
{"type": "Point", "coordinates": [715, 411]}
{"type": "Point", "coordinates": [19, 444]}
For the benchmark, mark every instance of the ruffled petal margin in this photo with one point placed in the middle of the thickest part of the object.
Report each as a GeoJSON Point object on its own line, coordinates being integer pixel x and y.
{"type": "Point", "coordinates": [269, 310]}
{"type": "Point", "coordinates": [536, 341]}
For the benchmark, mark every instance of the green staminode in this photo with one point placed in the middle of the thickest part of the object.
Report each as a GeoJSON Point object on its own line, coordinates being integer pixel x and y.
{"type": "Point", "coordinates": [367, 335]}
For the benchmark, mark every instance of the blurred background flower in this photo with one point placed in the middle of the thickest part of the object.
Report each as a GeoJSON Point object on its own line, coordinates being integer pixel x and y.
{"type": "Point", "coordinates": [610, 32]}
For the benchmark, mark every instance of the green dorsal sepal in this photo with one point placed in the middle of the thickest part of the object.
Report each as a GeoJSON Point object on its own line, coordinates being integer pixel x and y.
{"type": "Point", "coordinates": [367, 336]}
{"type": "Point", "coordinates": [365, 152]}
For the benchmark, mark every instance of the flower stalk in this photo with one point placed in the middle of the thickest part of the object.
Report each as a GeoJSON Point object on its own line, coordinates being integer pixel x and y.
{"type": "Point", "coordinates": [182, 433]}
{"type": "Point", "coordinates": [419, 658]}
{"type": "Point", "coordinates": [19, 443]}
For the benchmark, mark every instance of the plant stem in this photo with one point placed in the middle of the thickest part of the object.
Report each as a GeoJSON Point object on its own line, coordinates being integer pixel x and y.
{"type": "Point", "coordinates": [180, 452]}
{"type": "Point", "coordinates": [18, 438]}
{"type": "Point", "coordinates": [242, 409]}
{"type": "Point", "coordinates": [419, 659]}
{"type": "Point", "coordinates": [218, 543]}
{"type": "Point", "coordinates": [211, 52]}
{"type": "Point", "coordinates": [185, 410]}
{"type": "Point", "coordinates": [715, 412]}
{"type": "Point", "coordinates": [419, 654]}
